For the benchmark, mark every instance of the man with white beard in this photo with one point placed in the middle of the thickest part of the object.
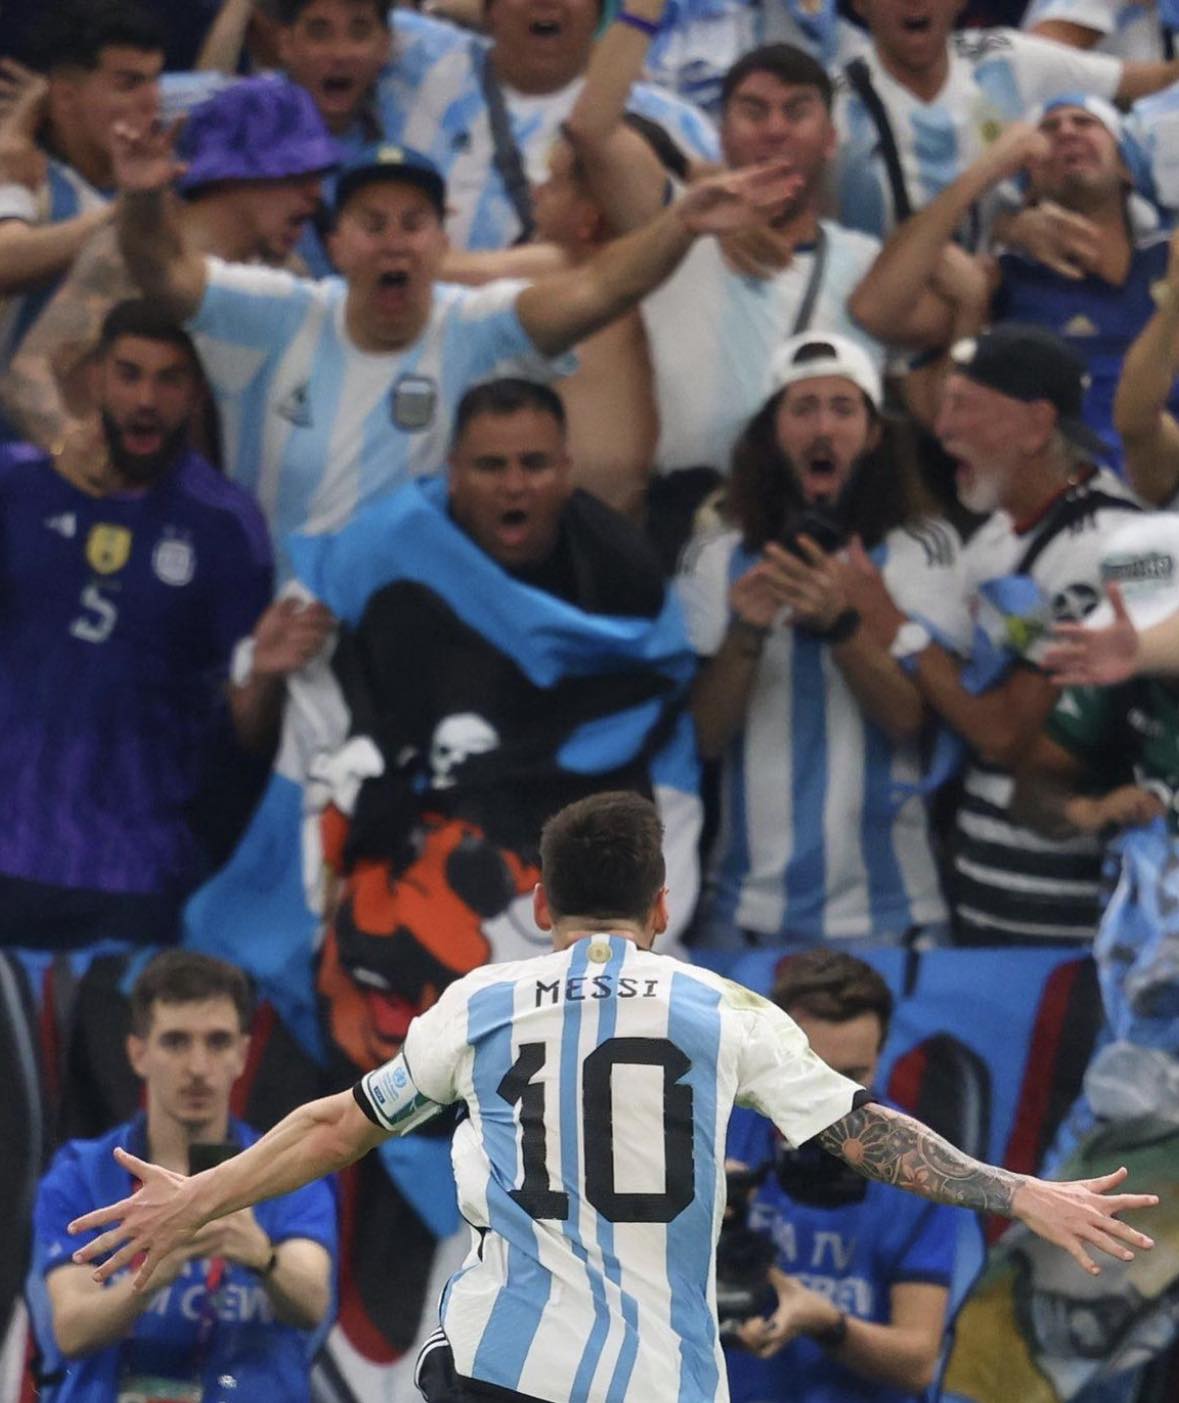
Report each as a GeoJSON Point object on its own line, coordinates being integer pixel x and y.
{"type": "Point", "coordinates": [1011, 416]}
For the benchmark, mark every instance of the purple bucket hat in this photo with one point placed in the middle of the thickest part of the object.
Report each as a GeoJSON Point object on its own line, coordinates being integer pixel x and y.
{"type": "Point", "coordinates": [256, 129]}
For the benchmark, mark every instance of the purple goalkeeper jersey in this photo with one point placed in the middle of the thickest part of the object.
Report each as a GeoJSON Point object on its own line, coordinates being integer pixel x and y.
{"type": "Point", "coordinates": [118, 615]}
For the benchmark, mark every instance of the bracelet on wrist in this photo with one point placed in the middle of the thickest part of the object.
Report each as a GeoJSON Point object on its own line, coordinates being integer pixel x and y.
{"type": "Point", "coordinates": [750, 638]}
{"type": "Point", "coordinates": [842, 627]}
{"type": "Point", "coordinates": [833, 1335]}
{"type": "Point", "coordinates": [645, 26]}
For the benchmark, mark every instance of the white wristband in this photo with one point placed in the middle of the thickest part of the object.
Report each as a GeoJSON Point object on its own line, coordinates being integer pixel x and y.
{"type": "Point", "coordinates": [241, 664]}
{"type": "Point", "coordinates": [18, 202]}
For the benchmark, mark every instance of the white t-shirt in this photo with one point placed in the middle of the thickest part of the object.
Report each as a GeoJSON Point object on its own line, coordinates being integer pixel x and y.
{"type": "Point", "coordinates": [712, 334]}
{"type": "Point", "coordinates": [822, 833]}
{"type": "Point", "coordinates": [598, 1082]}
{"type": "Point", "coordinates": [315, 427]}
{"type": "Point", "coordinates": [995, 76]}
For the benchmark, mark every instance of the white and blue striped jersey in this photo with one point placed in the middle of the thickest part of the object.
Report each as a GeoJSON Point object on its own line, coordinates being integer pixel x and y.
{"type": "Point", "coordinates": [822, 834]}
{"type": "Point", "coordinates": [1129, 29]}
{"type": "Point", "coordinates": [598, 1082]}
{"type": "Point", "coordinates": [700, 40]}
{"type": "Point", "coordinates": [315, 427]}
{"type": "Point", "coordinates": [713, 333]}
{"type": "Point", "coordinates": [431, 99]}
{"type": "Point", "coordinates": [995, 76]}
{"type": "Point", "coordinates": [63, 195]}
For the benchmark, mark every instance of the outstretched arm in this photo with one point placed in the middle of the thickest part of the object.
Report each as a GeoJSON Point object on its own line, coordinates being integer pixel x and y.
{"type": "Point", "coordinates": [1150, 435]}
{"type": "Point", "coordinates": [315, 1139]}
{"type": "Point", "coordinates": [884, 1144]}
{"type": "Point", "coordinates": [150, 236]}
{"type": "Point", "coordinates": [561, 310]}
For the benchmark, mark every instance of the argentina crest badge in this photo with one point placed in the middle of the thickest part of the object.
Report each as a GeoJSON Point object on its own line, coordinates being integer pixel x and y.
{"type": "Point", "coordinates": [412, 402]}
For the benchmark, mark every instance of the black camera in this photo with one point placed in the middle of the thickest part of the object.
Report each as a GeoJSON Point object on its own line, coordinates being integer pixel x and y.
{"type": "Point", "coordinates": [823, 524]}
{"type": "Point", "coordinates": [817, 1179]}
{"type": "Point", "coordinates": [743, 1257]}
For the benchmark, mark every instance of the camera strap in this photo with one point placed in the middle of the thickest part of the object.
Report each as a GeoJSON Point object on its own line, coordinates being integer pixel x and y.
{"type": "Point", "coordinates": [506, 155]}
{"type": "Point", "coordinates": [806, 308]}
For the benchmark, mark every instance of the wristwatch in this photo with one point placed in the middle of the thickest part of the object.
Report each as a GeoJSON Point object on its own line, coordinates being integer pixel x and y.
{"type": "Point", "coordinates": [912, 638]}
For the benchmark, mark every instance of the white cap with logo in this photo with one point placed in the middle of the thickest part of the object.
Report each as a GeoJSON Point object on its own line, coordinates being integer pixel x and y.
{"type": "Point", "coordinates": [1142, 559]}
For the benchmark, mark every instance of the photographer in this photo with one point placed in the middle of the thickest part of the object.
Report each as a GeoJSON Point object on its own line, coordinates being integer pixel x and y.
{"type": "Point", "coordinates": [860, 1272]}
{"type": "Point", "coordinates": [816, 723]}
{"type": "Point", "coordinates": [234, 1308]}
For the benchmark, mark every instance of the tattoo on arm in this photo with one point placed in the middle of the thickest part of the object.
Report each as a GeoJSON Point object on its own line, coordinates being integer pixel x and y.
{"type": "Point", "coordinates": [896, 1149]}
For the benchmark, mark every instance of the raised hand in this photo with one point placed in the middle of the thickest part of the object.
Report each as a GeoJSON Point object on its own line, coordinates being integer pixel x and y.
{"type": "Point", "coordinates": [1066, 242]}
{"type": "Point", "coordinates": [156, 1221]}
{"type": "Point", "coordinates": [288, 635]}
{"type": "Point", "coordinates": [144, 158]}
{"type": "Point", "coordinates": [735, 199]}
{"type": "Point", "coordinates": [1094, 657]}
{"type": "Point", "coordinates": [1019, 147]}
{"type": "Point", "coordinates": [1082, 1214]}
{"type": "Point", "coordinates": [23, 103]}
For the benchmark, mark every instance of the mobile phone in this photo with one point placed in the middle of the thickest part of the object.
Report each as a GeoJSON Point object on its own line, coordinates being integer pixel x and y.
{"type": "Point", "coordinates": [209, 1156]}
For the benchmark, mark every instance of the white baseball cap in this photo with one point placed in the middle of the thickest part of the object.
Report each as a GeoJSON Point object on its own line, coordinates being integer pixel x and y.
{"type": "Point", "coordinates": [815, 353]}
{"type": "Point", "coordinates": [1142, 559]}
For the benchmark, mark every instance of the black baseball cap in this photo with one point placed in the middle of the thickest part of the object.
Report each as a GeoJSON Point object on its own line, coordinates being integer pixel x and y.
{"type": "Point", "coordinates": [1029, 363]}
{"type": "Point", "coordinates": [386, 161]}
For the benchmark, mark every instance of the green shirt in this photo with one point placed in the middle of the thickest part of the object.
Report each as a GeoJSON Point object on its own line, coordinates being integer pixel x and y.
{"type": "Point", "coordinates": [1127, 734]}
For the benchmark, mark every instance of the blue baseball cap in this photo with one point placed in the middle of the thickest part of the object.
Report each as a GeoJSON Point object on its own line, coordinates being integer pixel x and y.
{"type": "Point", "coordinates": [255, 129]}
{"type": "Point", "coordinates": [386, 161]}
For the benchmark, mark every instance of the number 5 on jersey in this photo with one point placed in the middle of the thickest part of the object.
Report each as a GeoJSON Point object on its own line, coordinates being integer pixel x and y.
{"type": "Point", "coordinates": [602, 1095]}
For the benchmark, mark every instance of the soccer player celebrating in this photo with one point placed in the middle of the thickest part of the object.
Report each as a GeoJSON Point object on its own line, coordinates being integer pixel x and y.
{"type": "Point", "coordinates": [598, 1081]}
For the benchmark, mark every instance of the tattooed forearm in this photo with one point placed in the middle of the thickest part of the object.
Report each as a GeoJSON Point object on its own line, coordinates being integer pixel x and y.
{"type": "Point", "coordinates": [886, 1145]}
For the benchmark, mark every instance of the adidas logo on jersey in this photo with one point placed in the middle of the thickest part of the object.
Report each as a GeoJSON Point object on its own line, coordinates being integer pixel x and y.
{"type": "Point", "coordinates": [65, 525]}
{"type": "Point", "coordinates": [296, 407]}
{"type": "Point", "coordinates": [1080, 325]}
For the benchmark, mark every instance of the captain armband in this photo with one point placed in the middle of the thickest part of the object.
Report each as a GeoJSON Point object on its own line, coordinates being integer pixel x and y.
{"type": "Point", "coordinates": [389, 1098]}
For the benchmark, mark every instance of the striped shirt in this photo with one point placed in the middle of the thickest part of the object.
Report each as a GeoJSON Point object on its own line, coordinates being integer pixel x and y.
{"type": "Point", "coordinates": [431, 99]}
{"type": "Point", "coordinates": [994, 77]}
{"type": "Point", "coordinates": [709, 385]}
{"type": "Point", "coordinates": [314, 427]}
{"type": "Point", "coordinates": [598, 1082]}
{"type": "Point", "coordinates": [1011, 883]}
{"type": "Point", "coordinates": [822, 833]}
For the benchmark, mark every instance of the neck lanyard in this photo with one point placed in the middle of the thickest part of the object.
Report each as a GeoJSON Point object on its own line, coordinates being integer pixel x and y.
{"type": "Point", "coordinates": [806, 308]}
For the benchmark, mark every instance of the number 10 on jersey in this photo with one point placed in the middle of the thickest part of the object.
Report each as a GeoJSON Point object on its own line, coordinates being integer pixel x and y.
{"type": "Point", "coordinates": [603, 1088]}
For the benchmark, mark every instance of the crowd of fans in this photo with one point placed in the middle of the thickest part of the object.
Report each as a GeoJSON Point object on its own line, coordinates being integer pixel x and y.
{"type": "Point", "coordinates": [412, 420]}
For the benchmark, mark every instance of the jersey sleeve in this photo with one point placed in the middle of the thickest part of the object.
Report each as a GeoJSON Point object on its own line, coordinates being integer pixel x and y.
{"type": "Point", "coordinates": [487, 334]}
{"type": "Point", "coordinates": [246, 316]}
{"type": "Point", "coordinates": [246, 583]}
{"type": "Point", "coordinates": [703, 590]}
{"type": "Point", "coordinates": [781, 1076]}
{"type": "Point", "coordinates": [1046, 69]}
{"type": "Point", "coordinates": [61, 1197]}
{"type": "Point", "coordinates": [927, 1254]}
{"type": "Point", "coordinates": [424, 1074]}
{"type": "Point", "coordinates": [925, 576]}
{"type": "Point", "coordinates": [308, 1212]}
